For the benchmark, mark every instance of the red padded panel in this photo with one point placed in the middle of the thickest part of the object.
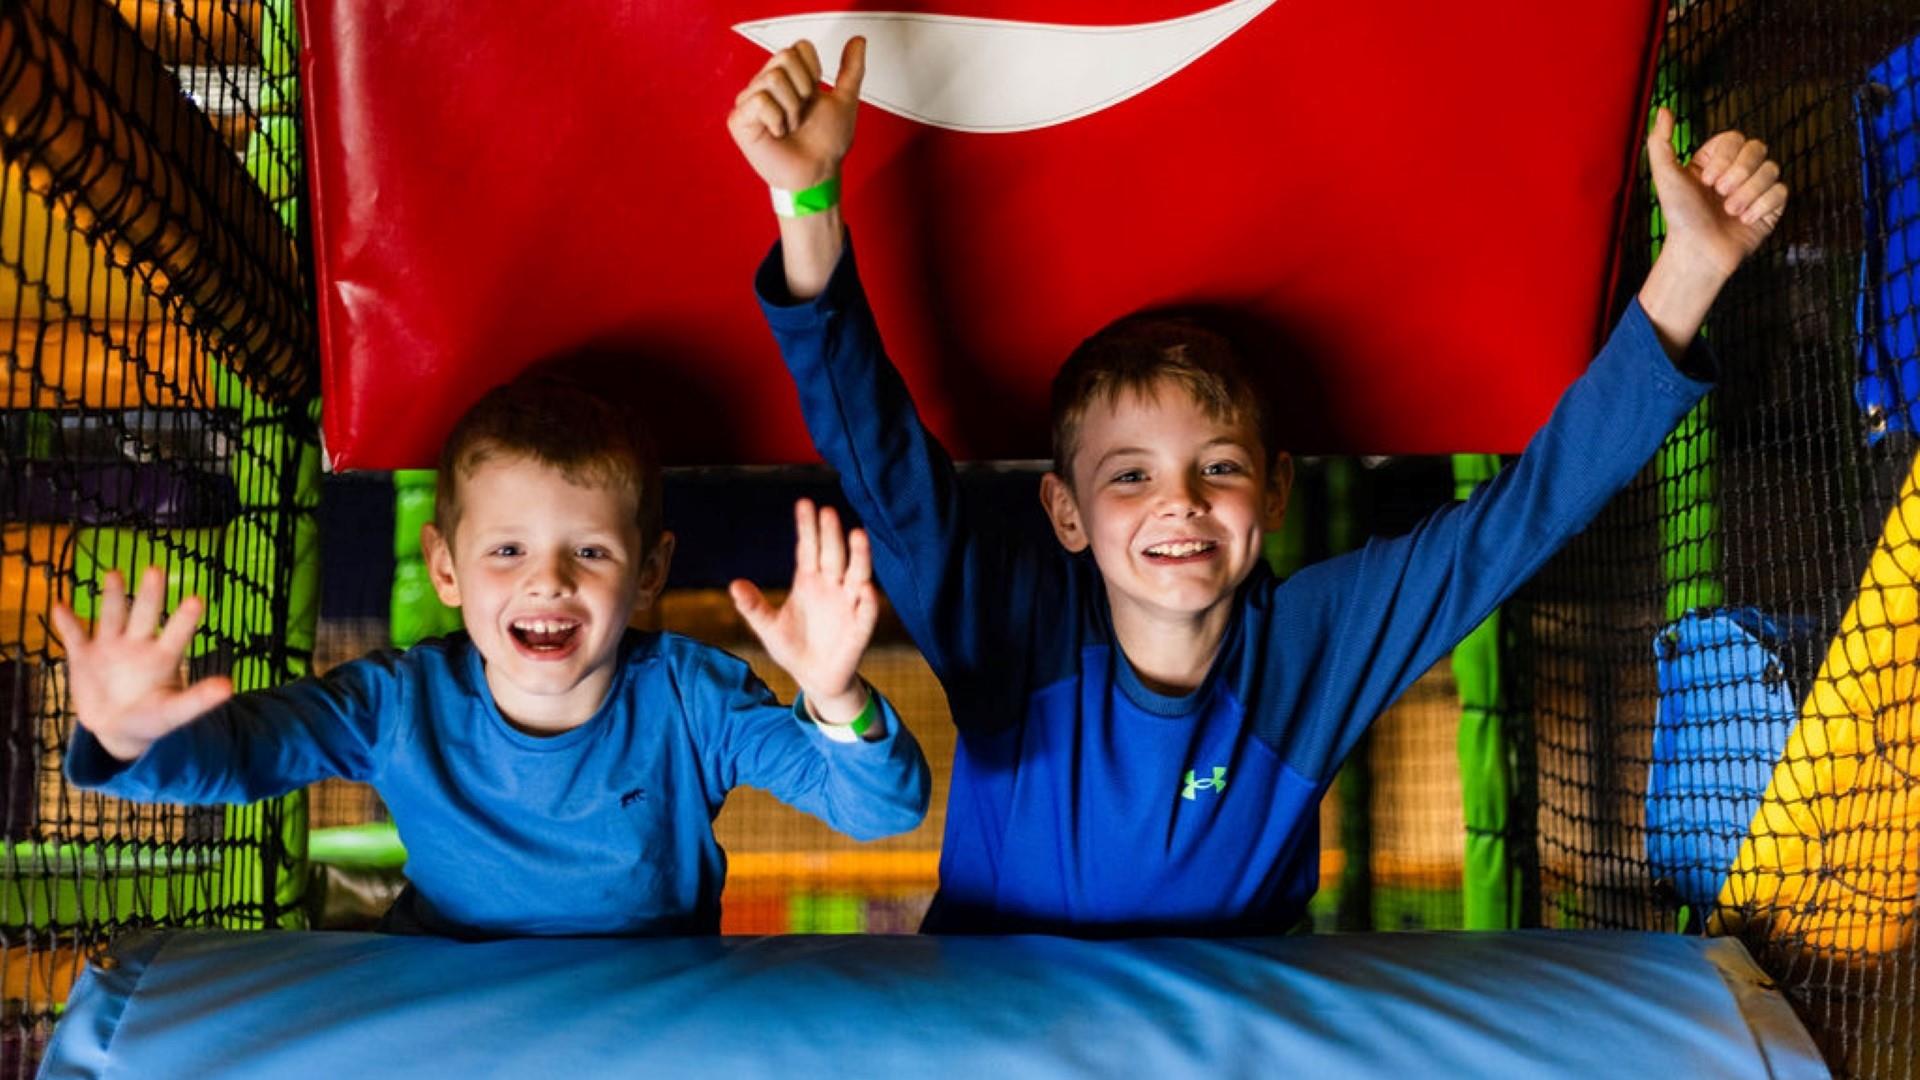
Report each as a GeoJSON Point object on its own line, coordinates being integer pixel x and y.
{"type": "Point", "coordinates": [1422, 196]}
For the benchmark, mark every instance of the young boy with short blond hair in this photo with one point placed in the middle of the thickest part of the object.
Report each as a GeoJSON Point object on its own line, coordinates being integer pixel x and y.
{"type": "Point", "coordinates": [1148, 717]}
{"type": "Point", "coordinates": [550, 770]}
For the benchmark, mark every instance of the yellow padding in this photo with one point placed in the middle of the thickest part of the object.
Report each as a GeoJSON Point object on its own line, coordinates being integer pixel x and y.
{"type": "Point", "coordinates": [76, 365]}
{"type": "Point", "coordinates": [1832, 858]}
{"type": "Point", "coordinates": [33, 560]}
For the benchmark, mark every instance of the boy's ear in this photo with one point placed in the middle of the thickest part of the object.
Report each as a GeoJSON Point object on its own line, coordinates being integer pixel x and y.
{"type": "Point", "coordinates": [1279, 488]}
{"type": "Point", "coordinates": [653, 573]}
{"type": "Point", "coordinates": [439, 556]}
{"type": "Point", "coordinates": [1057, 498]}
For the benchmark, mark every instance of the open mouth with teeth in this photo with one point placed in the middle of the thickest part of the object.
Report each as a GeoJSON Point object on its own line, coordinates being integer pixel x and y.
{"type": "Point", "coordinates": [1175, 551]}
{"type": "Point", "coordinates": [545, 637]}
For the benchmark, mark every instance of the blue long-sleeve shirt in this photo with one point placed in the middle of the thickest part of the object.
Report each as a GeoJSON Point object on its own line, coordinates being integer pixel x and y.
{"type": "Point", "coordinates": [603, 829]}
{"type": "Point", "coordinates": [1085, 803]}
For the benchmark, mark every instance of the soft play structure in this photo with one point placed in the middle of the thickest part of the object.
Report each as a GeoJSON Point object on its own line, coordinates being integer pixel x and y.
{"type": "Point", "coordinates": [1665, 799]}
{"type": "Point", "coordinates": [1515, 1004]}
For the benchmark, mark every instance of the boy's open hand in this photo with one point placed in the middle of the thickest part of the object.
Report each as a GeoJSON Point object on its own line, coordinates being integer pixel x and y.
{"type": "Point", "coordinates": [790, 130]}
{"type": "Point", "coordinates": [124, 680]}
{"type": "Point", "coordinates": [821, 632]}
{"type": "Point", "coordinates": [1723, 202]}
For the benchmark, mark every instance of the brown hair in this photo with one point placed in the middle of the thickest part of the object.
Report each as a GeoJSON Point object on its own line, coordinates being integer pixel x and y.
{"type": "Point", "coordinates": [1132, 355]}
{"type": "Point", "coordinates": [560, 421]}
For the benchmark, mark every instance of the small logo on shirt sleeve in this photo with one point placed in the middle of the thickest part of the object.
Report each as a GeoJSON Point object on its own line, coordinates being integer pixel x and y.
{"type": "Point", "coordinates": [1194, 785]}
{"type": "Point", "coordinates": [632, 797]}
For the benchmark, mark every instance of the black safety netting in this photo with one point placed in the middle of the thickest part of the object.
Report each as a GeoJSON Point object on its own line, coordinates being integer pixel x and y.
{"type": "Point", "coordinates": [1717, 679]}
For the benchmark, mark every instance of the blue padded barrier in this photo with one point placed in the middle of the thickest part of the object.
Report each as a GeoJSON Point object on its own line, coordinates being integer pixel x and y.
{"type": "Point", "coordinates": [1522, 1003]}
{"type": "Point", "coordinates": [1727, 707]}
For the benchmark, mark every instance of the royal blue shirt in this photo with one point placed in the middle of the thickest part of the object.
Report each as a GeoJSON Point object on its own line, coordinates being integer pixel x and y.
{"type": "Point", "coordinates": [606, 828]}
{"type": "Point", "coordinates": [1085, 803]}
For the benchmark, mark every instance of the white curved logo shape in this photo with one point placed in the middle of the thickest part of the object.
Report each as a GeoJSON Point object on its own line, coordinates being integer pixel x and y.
{"type": "Point", "coordinates": [1000, 75]}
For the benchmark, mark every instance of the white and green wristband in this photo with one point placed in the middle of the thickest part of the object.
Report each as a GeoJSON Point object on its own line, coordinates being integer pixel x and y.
{"type": "Point", "coordinates": [855, 731]}
{"type": "Point", "coordinates": [793, 204]}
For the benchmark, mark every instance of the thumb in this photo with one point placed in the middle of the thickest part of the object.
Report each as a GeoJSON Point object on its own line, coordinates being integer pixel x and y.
{"type": "Point", "coordinates": [1660, 155]}
{"type": "Point", "coordinates": [752, 605]}
{"type": "Point", "coordinates": [853, 70]}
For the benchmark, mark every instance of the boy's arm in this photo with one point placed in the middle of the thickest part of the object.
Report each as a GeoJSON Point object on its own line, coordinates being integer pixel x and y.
{"type": "Point", "coordinates": [968, 592]}
{"type": "Point", "coordinates": [1395, 607]}
{"type": "Point", "coordinates": [142, 735]}
{"type": "Point", "coordinates": [874, 783]}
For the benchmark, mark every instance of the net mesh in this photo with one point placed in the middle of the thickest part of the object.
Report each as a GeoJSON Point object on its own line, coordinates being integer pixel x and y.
{"type": "Point", "coordinates": [1717, 677]}
{"type": "Point", "coordinates": [156, 359]}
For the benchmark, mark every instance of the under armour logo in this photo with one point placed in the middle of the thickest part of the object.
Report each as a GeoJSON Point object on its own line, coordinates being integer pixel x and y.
{"type": "Point", "coordinates": [632, 797]}
{"type": "Point", "coordinates": [1216, 782]}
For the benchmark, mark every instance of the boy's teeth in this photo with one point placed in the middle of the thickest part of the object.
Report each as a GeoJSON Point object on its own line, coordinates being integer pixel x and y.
{"type": "Point", "coordinates": [1180, 550]}
{"type": "Point", "coordinates": [541, 626]}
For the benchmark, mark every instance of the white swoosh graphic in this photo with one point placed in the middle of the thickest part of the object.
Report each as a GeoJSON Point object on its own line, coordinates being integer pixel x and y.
{"type": "Point", "coordinates": [999, 75]}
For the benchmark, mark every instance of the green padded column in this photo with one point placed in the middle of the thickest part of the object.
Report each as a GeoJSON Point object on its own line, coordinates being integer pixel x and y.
{"type": "Point", "coordinates": [271, 550]}
{"type": "Point", "coordinates": [1690, 548]}
{"type": "Point", "coordinates": [1354, 910]}
{"type": "Point", "coordinates": [415, 612]}
{"type": "Point", "coordinates": [1489, 889]}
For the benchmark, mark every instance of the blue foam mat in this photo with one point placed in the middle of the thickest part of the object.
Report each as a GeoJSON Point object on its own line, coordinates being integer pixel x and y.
{"type": "Point", "coordinates": [1524, 1003]}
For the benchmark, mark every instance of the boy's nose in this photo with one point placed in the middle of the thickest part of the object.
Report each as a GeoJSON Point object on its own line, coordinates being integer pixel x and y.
{"type": "Point", "coordinates": [1187, 497]}
{"type": "Point", "coordinates": [552, 575]}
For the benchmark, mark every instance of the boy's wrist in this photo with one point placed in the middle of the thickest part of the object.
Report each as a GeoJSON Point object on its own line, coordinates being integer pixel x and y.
{"type": "Point", "coordinates": [125, 751]}
{"type": "Point", "coordinates": [1680, 288]}
{"type": "Point", "coordinates": [842, 709]}
{"type": "Point", "coordinates": [810, 248]}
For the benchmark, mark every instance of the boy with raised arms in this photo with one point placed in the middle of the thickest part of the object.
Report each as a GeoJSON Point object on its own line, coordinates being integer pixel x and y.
{"type": "Point", "coordinates": [1148, 717]}
{"type": "Point", "coordinates": [550, 770]}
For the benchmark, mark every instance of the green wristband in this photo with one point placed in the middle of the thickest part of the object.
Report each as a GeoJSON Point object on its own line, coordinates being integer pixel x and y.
{"type": "Point", "coordinates": [822, 196]}
{"type": "Point", "coordinates": [853, 731]}
{"type": "Point", "coordinates": [869, 713]}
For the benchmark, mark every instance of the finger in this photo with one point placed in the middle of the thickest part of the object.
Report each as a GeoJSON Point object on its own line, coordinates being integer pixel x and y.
{"type": "Point", "coordinates": [1715, 155]}
{"type": "Point", "coordinates": [184, 707]}
{"type": "Point", "coordinates": [181, 624]}
{"type": "Point", "coordinates": [809, 56]}
{"type": "Point", "coordinates": [1756, 185]}
{"type": "Point", "coordinates": [760, 115]}
{"type": "Point", "coordinates": [859, 558]}
{"type": "Point", "coordinates": [806, 544]}
{"type": "Point", "coordinates": [866, 611]}
{"type": "Point", "coordinates": [72, 634]}
{"type": "Point", "coordinates": [110, 615]}
{"type": "Point", "coordinates": [1768, 208]}
{"type": "Point", "coordinates": [804, 79]}
{"type": "Point", "coordinates": [776, 85]}
{"type": "Point", "coordinates": [752, 605]}
{"type": "Point", "coordinates": [1751, 155]}
{"type": "Point", "coordinates": [833, 546]}
{"type": "Point", "coordinates": [148, 598]}
{"type": "Point", "coordinates": [853, 70]}
{"type": "Point", "coordinates": [1660, 142]}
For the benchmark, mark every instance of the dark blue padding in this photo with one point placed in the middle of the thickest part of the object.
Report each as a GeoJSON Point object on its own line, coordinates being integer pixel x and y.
{"type": "Point", "coordinates": [354, 1006]}
{"type": "Point", "coordinates": [1887, 107]}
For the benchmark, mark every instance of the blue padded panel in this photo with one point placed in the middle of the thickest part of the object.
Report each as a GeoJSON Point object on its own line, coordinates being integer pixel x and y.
{"type": "Point", "coordinates": [1888, 110]}
{"type": "Point", "coordinates": [1726, 709]}
{"type": "Point", "coordinates": [1524, 1004]}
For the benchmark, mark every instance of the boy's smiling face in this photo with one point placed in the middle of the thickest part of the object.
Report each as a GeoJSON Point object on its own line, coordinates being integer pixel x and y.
{"type": "Point", "coordinates": [546, 573]}
{"type": "Point", "coordinates": [1172, 501]}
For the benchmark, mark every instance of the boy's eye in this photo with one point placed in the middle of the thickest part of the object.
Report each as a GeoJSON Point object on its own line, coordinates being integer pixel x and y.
{"type": "Point", "coordinates": [1129, 476]}
{"type": "Point", "coordinates": [591, 552]}
{"type": "Point", "coordinates": [1223, 468]}
{"type": "Point", "coordinates": [505, 551]}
